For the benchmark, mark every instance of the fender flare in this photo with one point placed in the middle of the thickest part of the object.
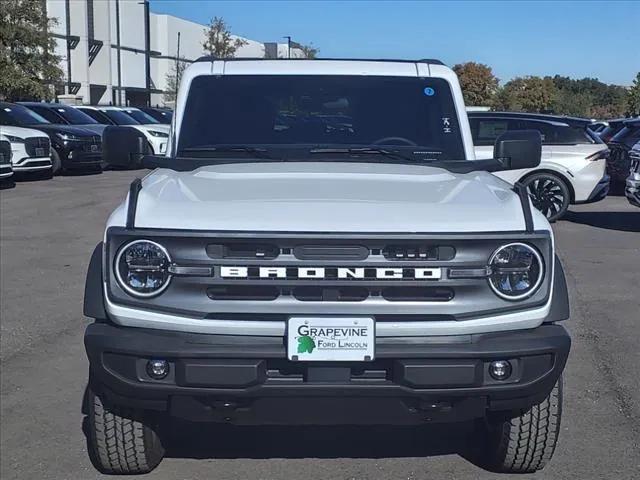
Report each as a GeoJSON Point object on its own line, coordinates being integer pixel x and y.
{"type": "Point", "coordinates": [93, 291]}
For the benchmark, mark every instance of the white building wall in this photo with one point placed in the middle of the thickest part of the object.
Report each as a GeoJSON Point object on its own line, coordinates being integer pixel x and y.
{"type": "Point", "coordinates": [103, 71]}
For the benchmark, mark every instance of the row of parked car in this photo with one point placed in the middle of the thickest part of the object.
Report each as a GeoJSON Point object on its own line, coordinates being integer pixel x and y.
{"type": "Point", "coordinates": [48, 138]}
{"type": "Point", "coordinates": [581, 158]}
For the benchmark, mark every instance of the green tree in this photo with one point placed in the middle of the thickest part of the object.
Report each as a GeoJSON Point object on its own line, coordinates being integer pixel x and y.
{"type": "Point", "coordinates": [218, 40]}
{"type": "Point", "coordinates": [588, 97]}
{"type": "Point", "coordinates": [527, 94]}
{"type": "Point", "coordinates": [308, 51]}
{"type": "Point", "coordinates": [479, 84]}
{"type": "Point", "coordinates": [173, 80]}
{"type": "Point", "coordinates": [29, 67]}
{"type": "Point", "coordinates": [633, 98]}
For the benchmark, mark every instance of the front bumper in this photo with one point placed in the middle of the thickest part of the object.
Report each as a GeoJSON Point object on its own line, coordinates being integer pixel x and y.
{"type": "Point", "coordinates": [248, 379]}
{"type": "Point", "coordinates": [632, 189]}
{"type": "Point", "coordinates": [32, 164]}
{"type": "Point", "coordinates": [5, 171]}
{"type": "Point", "coordinates": [80, 155]}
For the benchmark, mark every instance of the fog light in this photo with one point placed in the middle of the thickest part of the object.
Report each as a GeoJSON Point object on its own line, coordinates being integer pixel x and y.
{"type": "Point", "coordinates": [500, 370]}
{"type": "Point", "coordinates": [157, 369]}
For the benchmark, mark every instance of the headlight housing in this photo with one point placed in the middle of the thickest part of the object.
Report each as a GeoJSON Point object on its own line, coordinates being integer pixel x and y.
{"type": "Point", "coordinates": [13, 138]}
{"type": "Point", "coordinates": [517, 270]}
{"type": "Point", "coordinates": [67, 136]}
{"type": "Point", "coordinates": [142, 268]}
{"type": "Point", "coordinates": [155, 133]}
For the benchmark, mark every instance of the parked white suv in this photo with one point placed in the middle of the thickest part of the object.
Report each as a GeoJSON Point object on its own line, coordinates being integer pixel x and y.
{"type": "Point", "coordinates": [574, 158]}
{"type": "Point", "coordinates": [156, 133]}
{"type": "Point", "coordinates": [31, 149]}
{"type": "Point", "coordinates": [320, 247]}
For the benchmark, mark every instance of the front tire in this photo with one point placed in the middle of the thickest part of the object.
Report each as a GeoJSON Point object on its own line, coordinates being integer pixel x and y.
{"type": "Point", "coordinates": [56, 163]}
{"type": "Point", "coordinates": [523, 444]}
{"type": "Point", "coordinates": [122, 441]}
{"type": "Point", "coordinates": [549, 194]}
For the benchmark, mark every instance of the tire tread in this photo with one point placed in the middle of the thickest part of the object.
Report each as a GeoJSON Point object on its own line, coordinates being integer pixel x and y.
{"type": "Point", "coordinates": [122, 444]}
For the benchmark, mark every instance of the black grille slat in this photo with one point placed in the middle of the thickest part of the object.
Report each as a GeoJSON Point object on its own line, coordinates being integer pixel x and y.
{"type": "Point", "coordinates": [417, 294]}
{"type": "Point", "coordinates": [32, 144]}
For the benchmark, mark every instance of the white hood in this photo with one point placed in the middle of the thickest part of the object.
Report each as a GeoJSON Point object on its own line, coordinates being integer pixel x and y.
{"type": "Point", "coordinates": [327, 197]}
{"type": "Point", "coordinates": [21, 132]}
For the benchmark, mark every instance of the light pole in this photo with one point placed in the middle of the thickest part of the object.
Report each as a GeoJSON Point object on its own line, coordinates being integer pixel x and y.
{"type": "Point", "coordinates": [288, 45]}
{"type": "Point", "coordinates": [177, 68]}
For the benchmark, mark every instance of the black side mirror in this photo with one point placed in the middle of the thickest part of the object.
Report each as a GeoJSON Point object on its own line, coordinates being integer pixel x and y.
{"type": "Point", "coordinates": [124, 147]}
{"type": "Point", "coordinates": [517, 149]}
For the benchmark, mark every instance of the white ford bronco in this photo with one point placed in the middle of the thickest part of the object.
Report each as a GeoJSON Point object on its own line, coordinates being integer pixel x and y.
{"type": "Point", "coordinates": [320, 246]}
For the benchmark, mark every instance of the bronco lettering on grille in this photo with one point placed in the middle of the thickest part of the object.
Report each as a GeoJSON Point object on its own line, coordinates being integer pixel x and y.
{"type": "Point", "coordinates": [330, 273]}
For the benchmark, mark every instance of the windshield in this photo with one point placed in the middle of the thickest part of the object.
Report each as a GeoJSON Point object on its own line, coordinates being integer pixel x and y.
{"type": "Point", "coordinates": [19, 115]}
{"type": "Point", "coordinates": [141, 117]}
{"type": "Point", "coordinates": [415, 116]}
{"type": "Point", "coordinates": [74, 116]}
{"type": "Point", "coordinates": [120, 118]}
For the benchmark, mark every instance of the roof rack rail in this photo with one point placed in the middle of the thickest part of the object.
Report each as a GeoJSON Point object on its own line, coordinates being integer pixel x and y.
{"type": "Point", "coordinates": [432, 61]}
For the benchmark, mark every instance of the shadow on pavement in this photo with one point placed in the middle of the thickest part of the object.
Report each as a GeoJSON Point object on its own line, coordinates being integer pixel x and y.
{"type": "Point", "coordinates": [230, 442]}
{"type": "Point", "coordinates": [622, 221]}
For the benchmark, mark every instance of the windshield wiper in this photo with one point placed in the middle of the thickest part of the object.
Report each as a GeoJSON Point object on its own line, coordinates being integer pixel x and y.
{"type": "Point", "coordinates": [258, 152]}
{"type": "Point", "coordinates": [363, 151]}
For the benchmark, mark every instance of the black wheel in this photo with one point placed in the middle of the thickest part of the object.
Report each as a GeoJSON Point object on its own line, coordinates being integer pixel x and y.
{"type": "Point", "coordinates": [122, 441]}
{"type": "Point", "coordinates": [56, 163]}
{"type": "Point", "coordinates": [523, 444]}
{"type": "Point", "coordinates": [549, 194]}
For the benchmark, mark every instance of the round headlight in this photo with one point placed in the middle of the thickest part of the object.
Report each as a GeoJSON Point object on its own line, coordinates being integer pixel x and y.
{"type": "Point", "coordinates": [516, 271]}
{"type": "Point", "coordinates": [142, 268]}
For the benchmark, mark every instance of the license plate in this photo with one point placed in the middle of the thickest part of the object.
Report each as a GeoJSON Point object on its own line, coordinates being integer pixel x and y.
{"type": "Point", "coordinates": [40, 152]}
{"type": "Point", "coordinates": [94, 148]}
{"type": "Point", "coordinates": [331, 339]}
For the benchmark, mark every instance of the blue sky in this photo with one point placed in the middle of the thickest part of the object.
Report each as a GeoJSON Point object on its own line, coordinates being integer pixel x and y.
{"type": "Point", "coordinates": [579, 39]}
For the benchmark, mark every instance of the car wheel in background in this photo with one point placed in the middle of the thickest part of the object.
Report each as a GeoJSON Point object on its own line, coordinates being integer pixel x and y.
{"type": "Point", "coordinates": [549, 194]}
{"type": "Point", "coordinates": [56, 163]}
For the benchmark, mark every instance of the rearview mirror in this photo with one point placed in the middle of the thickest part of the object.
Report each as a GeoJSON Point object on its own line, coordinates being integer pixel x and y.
{"type": "Point", "coordinates": [518, 149]}
{"type": "Point", "coordinates": [124, 147]}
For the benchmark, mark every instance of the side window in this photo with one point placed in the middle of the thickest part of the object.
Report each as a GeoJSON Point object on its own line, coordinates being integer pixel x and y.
{"type": "Point", "coordinates": [547, 132]}
{"type": "Point", "coordinates": [92, 113]}
{"type": "Point", "coordinates": [486, 130]}
{"type": "Point", "coordinates": [48, 114]}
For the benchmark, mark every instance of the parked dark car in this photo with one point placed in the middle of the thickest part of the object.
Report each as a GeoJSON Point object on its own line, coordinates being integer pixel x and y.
{"type": "Point", "coordinates": [163, 115]}
{"type": "Point", "coordinates": [632, 190]}
{"type": "Point", "coordinates": [615, 125]}
{"type": "Point", "coordinates": [73, 147]}
{"type": "Point", "coordinates": [65, 115]}
{"type": "Point", "coordinates": [620, 145]}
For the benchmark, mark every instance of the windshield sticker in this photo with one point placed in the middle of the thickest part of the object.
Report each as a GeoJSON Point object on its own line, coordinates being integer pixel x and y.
{"type": "Point", "coordinates": [429, 92]}
{"type": "Point", "coordinates": [446, 124]}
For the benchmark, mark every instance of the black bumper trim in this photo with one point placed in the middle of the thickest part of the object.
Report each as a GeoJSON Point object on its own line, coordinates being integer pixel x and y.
{"type": "Point", "coordinates": [449, 371]}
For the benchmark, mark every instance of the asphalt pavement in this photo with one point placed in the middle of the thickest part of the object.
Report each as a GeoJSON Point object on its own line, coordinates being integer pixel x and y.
{"type": "Point", "coordinates": [48, 229]}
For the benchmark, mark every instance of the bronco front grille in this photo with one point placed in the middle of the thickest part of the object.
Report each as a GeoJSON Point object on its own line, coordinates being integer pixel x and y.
{"type": "Point", "coordinates": [379, 275]}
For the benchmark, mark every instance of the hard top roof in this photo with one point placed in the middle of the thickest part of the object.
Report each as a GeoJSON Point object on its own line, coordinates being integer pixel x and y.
{"type": "Point", "coordinates": [210, 58]}
{"type": "Point", "coordinates": [576, 121]}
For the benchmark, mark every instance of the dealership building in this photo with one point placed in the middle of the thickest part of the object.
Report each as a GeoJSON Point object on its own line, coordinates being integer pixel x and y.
{"type": "Point", "coordinates": [118, 52]}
